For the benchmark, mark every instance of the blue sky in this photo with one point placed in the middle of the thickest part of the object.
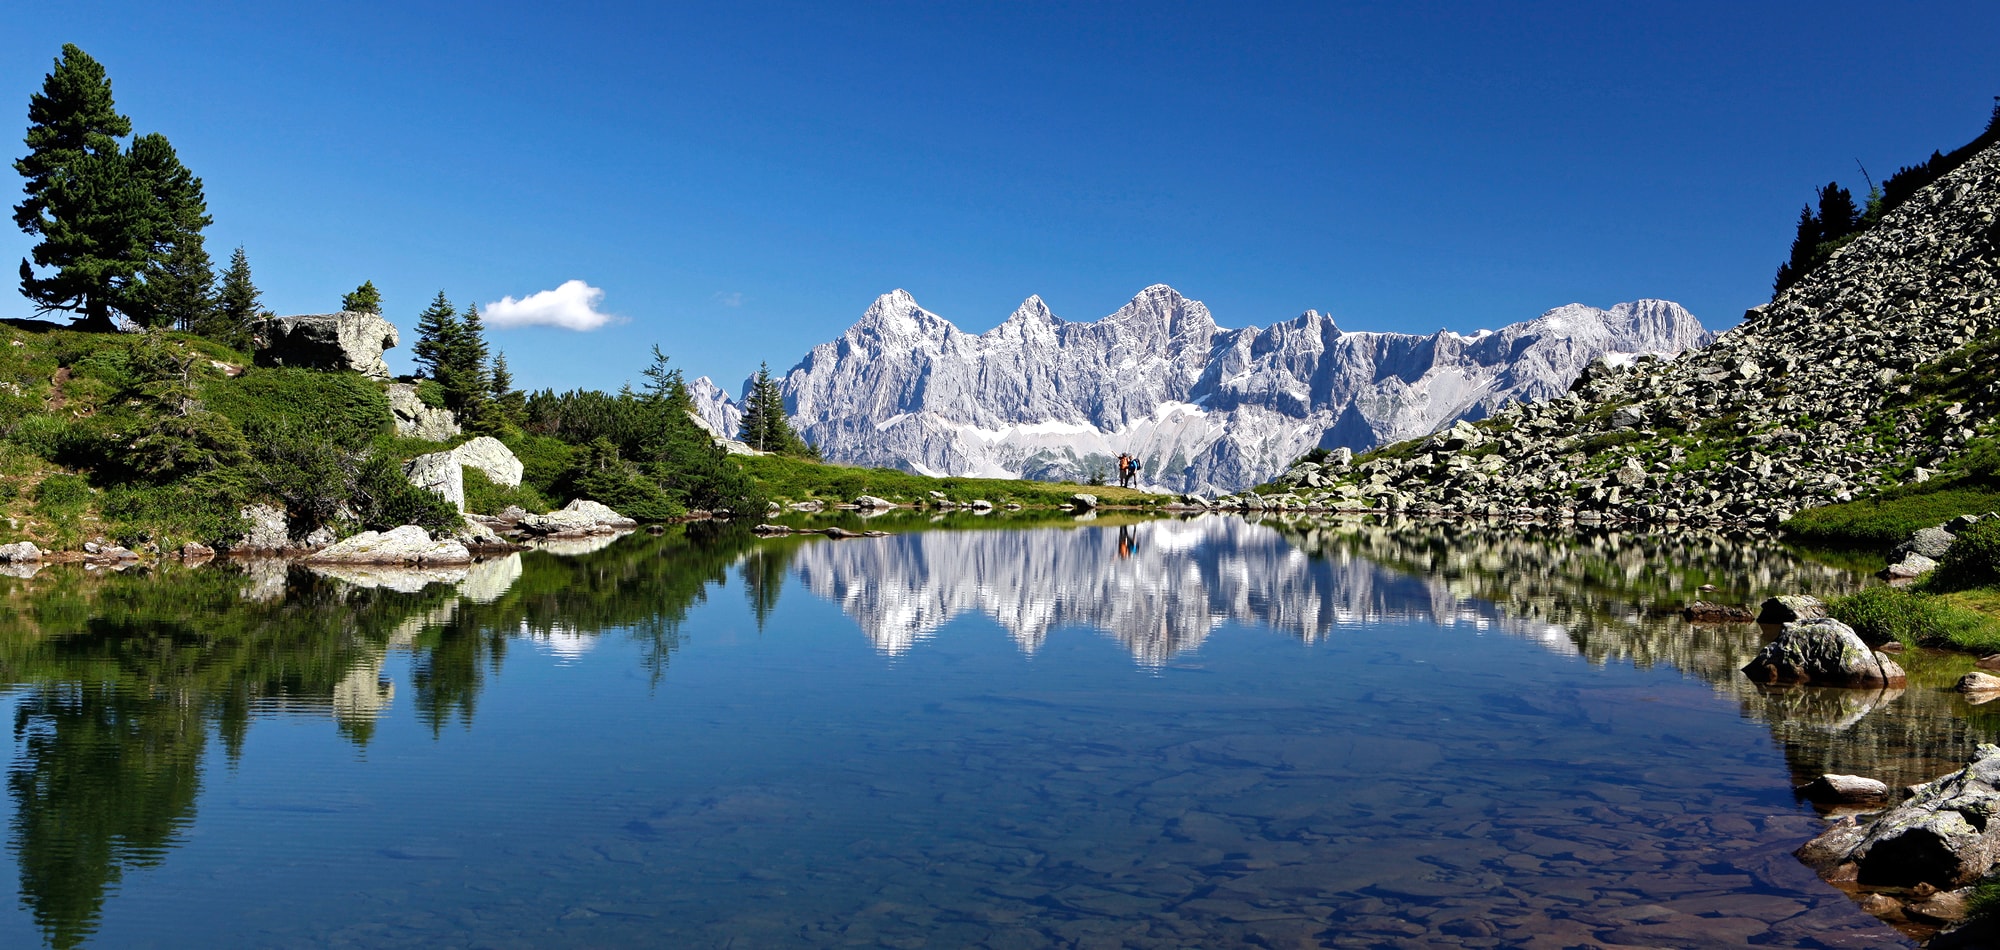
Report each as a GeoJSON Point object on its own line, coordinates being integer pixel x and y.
{"type": "Point", "coordinates": [740, 180]}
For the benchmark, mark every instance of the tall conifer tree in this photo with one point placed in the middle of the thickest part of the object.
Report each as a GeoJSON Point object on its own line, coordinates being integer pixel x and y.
{"type": "Point", "coordinates": [237, 305]}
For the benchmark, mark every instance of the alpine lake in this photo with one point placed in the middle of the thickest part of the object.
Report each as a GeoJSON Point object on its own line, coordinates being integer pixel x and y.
{"type": "Point", "coordinates": [975, 732]}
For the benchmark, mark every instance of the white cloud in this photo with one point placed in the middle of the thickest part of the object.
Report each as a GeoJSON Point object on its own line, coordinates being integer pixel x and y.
{"type": "Point", "coordinates": [572, 306]}
{"type": "Point", "coordinates": [733, 298]}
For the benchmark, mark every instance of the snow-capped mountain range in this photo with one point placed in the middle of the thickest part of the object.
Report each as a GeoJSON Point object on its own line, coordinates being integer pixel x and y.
{"type": "Point", "coordinates": [1205, 408]}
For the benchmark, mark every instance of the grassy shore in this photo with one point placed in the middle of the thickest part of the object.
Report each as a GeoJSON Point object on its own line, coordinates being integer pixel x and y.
{"type": "Point", "coordinates": [784, 479]}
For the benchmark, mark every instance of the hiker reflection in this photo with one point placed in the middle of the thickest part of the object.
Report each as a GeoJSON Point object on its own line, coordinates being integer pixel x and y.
{"type": "Point", "coordinates": [1128, 542]}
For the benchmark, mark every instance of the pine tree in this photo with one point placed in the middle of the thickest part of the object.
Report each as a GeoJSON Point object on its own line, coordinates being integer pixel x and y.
{"type": "Point", "coordinates": [179, 280]}
{"type": "Point", "coordinates": [468, 387]}
{"type": "Point", "coordinates": [236, 305]}
{"type": "Point", "coordinates": [510, 406]}
{"type": "Point", "coordinates": [765, 425]}
{"type": "Point", "coordinates": [364, 299]}
{"type": "Point", "coordinates": [95, 218]}
{"type": "Point", "coordinates": [755, 426]}
{"type": "Point", "coordinates": [1837, 214]}
{"type": "Point", "coordinates": [437, 334]}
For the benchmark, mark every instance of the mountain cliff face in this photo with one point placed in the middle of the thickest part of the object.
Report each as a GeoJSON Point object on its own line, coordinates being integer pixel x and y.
{"type": "Point", "coordinates": [1205, 408]}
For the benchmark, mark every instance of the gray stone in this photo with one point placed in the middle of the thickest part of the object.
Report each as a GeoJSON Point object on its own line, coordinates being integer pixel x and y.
{"type": "Point", "coordinates": [1789, 607]}
{"type": "Point", "coordinates": [492, 458]}
{"type": "Point", "coordinates": [1929, 542]}
{"type": "Point", "coordinates": [1912, 565]}
{"type": "Point", "coordinates": [1976, 682]}
{"type": "Point", "coordinates": [417, 420]}
{"type": "Point", "coordinates": [577, 519]}
{"type": "Point", "coordinates": [1083, 500]}
{"type": "Point", "coordinates": [1941, 835]}
{"type": "Point", "coordinates": [264, 529]}
{"type": "Point", "coordinates": [872, 502]}
{"type": "Point", "coordinates": [438, 472]}
{"type": "Point", "coordinates": [20, 552]}
{"type": "Point", "coordinates": [1844, 789]}
{"type": "Point", "coordinates": [408, 544]}
{"type": "Point", "coordinates": [330, 341]}
{"type": "Point", "coordinates": [196, 551]}
{"type": "Point", "coordinates": [1823, 652]}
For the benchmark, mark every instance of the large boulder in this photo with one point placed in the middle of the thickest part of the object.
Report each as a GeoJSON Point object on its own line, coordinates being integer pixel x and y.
{"type": "Point", "coordinates": [1790, 607]}
{"type": "Point", "coordinates": [1942, 835]}
{"type": "Point", "coordinates": [576, 519]}
{"type": "Point", "coordinates": [1823, 652]}
{"type": "Point", "coordinates": [438, 472]}
{"type": "Point", "coordinates": [1929, 542]}
{"type": "Point", "coordinates": [264, 529]}
{"type": "Point", "coordinates": [492, 458]}
{"type": "Point", "coordinates": [1083, 501]}
{"type": "Point", "coordinates": [408, 544]}
{"type": "Point", "coordinates": [331, 341]}
{"type": "Point", "coordinates": [873, 503]}
{"type": "Point", "coordinates": [417, 420]}
{"type": "Point", "coordinates": [20, 552]}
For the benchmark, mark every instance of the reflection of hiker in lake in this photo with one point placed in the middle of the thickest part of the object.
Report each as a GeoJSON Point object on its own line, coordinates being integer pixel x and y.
{"type": "Point", "coordinates": [1128, 541]}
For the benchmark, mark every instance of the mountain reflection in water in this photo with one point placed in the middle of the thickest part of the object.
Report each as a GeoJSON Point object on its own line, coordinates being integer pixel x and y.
{"type": "Point", "coordinates": [120, 683]}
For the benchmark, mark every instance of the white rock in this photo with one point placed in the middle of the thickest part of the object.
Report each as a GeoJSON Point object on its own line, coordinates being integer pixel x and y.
{"type": "Point", "coordinates": [492, 458]}
{"type": "Point", "coordinates": [438, 472]}
{"type": "Point", "coordinates": [408, 544]}
{"type": "Point", "coordinates": [417, 420]}
{"type": "Point", "coordinates": [20, 552]}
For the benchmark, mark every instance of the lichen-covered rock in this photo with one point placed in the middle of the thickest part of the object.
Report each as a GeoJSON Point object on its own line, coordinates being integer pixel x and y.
{"type": "Point", "coordinates": [1823, 652]}
{"type": "Point", "coordinates": [1912, 565]}
{"type": "Point", "coordinates": [417, 420]}
{"type": "Point", "coordinates": [264, 529]}
{"type": "Point", "coordinates": [492, 458]}
{"type": "Point", "coordinates": [20, 552]}
{"type": "Point", "coordinates": [438, 472]}
{"type": "Point", "coordinates": [1942, 835]}
{"type": "Point", "coordinates": [1790, 607]}
{"type": "Point", "coordinates": [576, 519]}
{"type": "Point", "coordinates": [408, 544]}
{"type": "Point", "coordinates": [1929, 542]}
{"type": "Point", "coordinates": [330, 341]}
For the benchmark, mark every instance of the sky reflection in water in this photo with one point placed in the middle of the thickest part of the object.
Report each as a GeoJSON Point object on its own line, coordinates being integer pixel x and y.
{"type": "Point", "coordinates": [1157, 734]}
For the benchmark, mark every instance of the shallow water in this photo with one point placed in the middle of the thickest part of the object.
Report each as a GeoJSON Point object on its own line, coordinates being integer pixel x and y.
{"type": "Point", "coordinates": [1163, 733]}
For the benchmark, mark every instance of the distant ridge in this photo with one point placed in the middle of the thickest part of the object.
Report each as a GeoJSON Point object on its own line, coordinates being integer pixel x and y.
{"type": "Point", "coordinates": [1205, 408]}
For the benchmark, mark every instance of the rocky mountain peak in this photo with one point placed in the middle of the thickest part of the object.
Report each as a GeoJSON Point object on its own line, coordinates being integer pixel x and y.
{"type": "Point", "coordinates": [1205, 408]}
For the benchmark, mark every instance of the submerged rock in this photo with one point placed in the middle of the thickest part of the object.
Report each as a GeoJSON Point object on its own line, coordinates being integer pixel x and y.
{"type": "Point", "coordinates": [1823, 652]}
{"type": "Point", "coordinates": [1702, 611]}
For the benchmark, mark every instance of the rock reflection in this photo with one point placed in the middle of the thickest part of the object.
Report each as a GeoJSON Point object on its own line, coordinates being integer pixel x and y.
{"type": "Point", "coordinates": [1611, 597]}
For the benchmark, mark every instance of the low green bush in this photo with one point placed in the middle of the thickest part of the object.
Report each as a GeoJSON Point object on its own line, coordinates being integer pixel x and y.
{"type": "Point", "coordinates": [1972, 561]}
{"type": "Point", "coordinates": [431, 393]}
{"type": "Point", "coordinates": [1915, 618]}
{"type": "Point", "coordinates": [385, 499]}
{"type": "Point", "coordinates": [62, 499]}
{"type": "Point", "coordinates": [1885, 522]}
{"type": "Point", "coordinates": [206, 508]}
{"type": "Point", "coordinates": [482, 497]}
{"type": "Point", "coordinates": [347, 409]}
{"type": "Point", "coordinates": [544, 462]}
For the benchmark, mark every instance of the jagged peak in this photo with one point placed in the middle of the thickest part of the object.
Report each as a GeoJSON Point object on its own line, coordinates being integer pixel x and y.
{"type": "Point", "coordinates": [897, 314]}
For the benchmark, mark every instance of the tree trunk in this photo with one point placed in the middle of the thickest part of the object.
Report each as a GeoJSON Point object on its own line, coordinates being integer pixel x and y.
{"type": "Point", "coordinates": [96, 317]}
